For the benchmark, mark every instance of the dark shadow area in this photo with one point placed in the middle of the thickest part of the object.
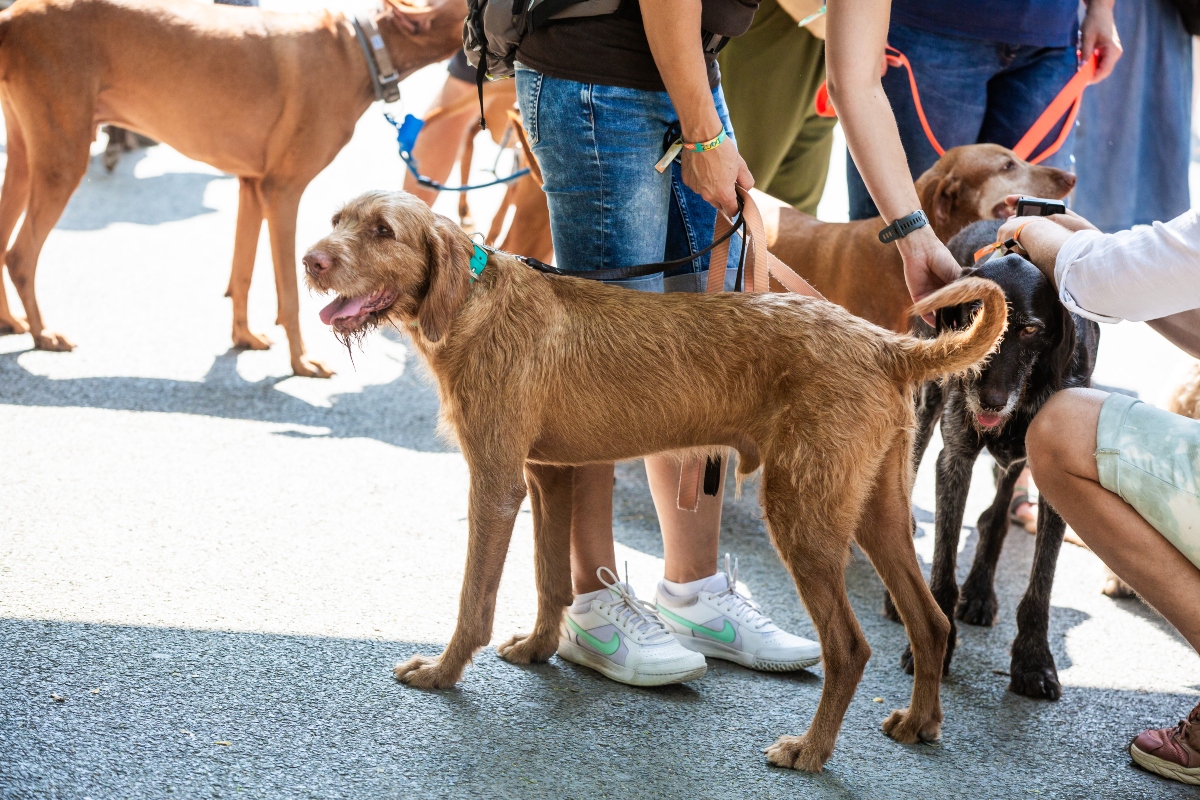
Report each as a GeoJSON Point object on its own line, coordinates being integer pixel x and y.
{"type": "Point", "coordinates": [401, 413]}
{"type": "Point", "coordinates": [103, 199]}
{"type": "Point", "coordinates": [219, 714]}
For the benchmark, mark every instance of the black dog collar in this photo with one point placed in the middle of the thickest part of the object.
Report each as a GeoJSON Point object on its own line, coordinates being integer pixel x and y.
{"type": "Point", "coordinates": [903, 227]}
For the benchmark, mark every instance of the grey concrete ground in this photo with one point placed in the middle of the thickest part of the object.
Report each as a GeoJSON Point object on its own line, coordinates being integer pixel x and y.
{"type": "Point", "coordinates": [215, 565]}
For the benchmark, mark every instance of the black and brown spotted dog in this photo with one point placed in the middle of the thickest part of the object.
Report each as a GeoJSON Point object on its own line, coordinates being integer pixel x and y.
{"type": "Point", "coordinates": [538, 374]}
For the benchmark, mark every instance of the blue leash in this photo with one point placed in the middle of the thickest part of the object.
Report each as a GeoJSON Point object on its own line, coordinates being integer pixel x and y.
{"type": "Point", "coordinates": [406, 138]}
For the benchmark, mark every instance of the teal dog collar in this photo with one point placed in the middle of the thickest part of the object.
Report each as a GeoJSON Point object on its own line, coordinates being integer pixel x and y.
{"type": "Point", "coordinates": [478, 262]}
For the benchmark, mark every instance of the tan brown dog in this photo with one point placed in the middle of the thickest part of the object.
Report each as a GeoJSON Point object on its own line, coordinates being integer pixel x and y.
{"type": "Point", "coordinates": [538, 373]}
{"type": "Point", "coordinates": [268, 97]}
{"type": "Point", "coordinates": [848, 264]}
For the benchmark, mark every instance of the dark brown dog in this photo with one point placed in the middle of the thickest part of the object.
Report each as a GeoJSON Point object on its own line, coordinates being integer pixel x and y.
{"type": "Point", "coordinates": [846, 262]}
{"type": "Point", "coordinates": [539, 373]}
{"type": "Point", "coordinates": [268, 97]}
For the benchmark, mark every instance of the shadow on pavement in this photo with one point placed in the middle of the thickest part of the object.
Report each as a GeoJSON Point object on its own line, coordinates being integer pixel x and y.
{"type": "Point", "coordinates": [401, 413]}
{"type": "Point", "coordinates": [103, 199]}
{"type": "Point", "coordinates": [221, 714]}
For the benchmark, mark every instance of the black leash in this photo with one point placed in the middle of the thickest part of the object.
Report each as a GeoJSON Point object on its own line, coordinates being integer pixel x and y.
{"type": "Point", "coordinates": [639, 270]}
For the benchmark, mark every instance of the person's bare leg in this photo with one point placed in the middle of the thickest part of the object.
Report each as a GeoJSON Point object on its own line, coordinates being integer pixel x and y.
{"type": "Point", "coordinates": [438, 144]}
{"type": "Point", "coordinates": [591, 526]}
{"type": "Point", "coordinates": [1061, 445]}
{"type": "Point", "coordinates": [691, 539]}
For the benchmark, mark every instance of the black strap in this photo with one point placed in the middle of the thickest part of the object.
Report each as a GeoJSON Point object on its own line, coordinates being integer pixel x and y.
{"type": "Point", "coordinates": [480, 77]}
{"type": "Point", "coordinates": [903, 227]}
{"type": "Point", "coordinates": [638, 271]}
{"type": "Point", "coordinates": [712, 476]}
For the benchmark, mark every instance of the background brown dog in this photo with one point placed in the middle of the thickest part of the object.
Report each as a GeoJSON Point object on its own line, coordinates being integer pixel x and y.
{"type": "Point", "coordinates": [847, 263]}
{"type": "Point", "coordinates": [537, 373]}
{"type": "Point", "coordinates": [268, 97]}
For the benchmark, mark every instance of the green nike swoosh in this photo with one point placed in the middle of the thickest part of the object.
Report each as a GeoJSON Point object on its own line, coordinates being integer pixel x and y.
{"type": "Point", "coordinates": [726, 635]}
{"type": "Point", "coordinates": [607, 648]}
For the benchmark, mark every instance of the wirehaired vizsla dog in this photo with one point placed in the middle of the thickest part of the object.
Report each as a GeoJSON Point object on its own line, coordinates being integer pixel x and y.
{"type": "Point", "coordinates": [268, 97]}
{"type": "Point", "coordinates": [539, 373]}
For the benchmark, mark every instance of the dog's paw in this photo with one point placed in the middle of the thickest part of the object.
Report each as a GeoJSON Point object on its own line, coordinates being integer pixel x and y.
{"type": "Point", "coordinates": [980, 609]}
{"type": "Point", "coordinates": [425, 672]}
{"type": "Point", "coordinates": [798, 752]}
{"type": "Point", "coordinates": [307, 367]}
{"type": "Point", "coordinates": [50, 340]}
{"type": "Point", "coordinates": [905, 727]}
{"type": "Point", "coordinates": [527, 648]}
{"type": "Point", "coordinates": [1037, 681]}
{"type": "Point", "coordinates": [13, 325]}
{"type": "Point", "coordinates": [249, 340]}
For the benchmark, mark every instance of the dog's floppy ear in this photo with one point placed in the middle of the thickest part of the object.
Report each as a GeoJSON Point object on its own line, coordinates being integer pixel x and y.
{"type": "Point", "coordinates": [943, 200]}
{"type": "Point", "coordinates": [449, 279]}
{"type": "Point", "coordinates": [1058, 358]}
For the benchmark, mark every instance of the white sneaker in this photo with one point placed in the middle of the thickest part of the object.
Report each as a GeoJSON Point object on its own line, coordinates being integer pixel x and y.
{"type": "Point", "coordinates": [621, 637]}
{"type": "Point", "coordinates": [721, 622]}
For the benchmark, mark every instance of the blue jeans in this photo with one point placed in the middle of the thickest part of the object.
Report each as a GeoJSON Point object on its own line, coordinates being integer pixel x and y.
{"type": "Point", "coordinates": [597, 146]}
{"type": "Point", "coordinates": [972, 91]}
{"type": "Point", "coordinates": [1135, 129]}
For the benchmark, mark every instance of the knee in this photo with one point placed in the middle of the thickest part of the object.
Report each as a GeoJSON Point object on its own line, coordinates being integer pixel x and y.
{"type": "Point", "coordinates": [1050, 434]}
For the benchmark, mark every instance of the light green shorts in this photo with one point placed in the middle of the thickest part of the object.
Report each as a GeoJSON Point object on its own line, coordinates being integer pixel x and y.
{"type": "Point", "coordinates": [1151, 459]}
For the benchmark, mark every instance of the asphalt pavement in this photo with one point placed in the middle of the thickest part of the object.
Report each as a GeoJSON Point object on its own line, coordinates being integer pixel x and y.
{"type": "Point", "coordinates": [208, 569]}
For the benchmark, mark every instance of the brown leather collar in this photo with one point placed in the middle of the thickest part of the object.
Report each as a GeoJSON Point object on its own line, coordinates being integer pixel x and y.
{"type": "Point", "coordinates": [384, 78]}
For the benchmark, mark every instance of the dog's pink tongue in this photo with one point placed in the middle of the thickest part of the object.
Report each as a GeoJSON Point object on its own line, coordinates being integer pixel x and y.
{"type": "Point", "coordinates": [341, 308]}
{"type": "Point", "coordinates": [988, 420]}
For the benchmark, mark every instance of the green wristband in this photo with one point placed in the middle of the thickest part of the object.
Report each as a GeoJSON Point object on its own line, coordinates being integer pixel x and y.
{"type": "Point", "coordinates": [700, 147]}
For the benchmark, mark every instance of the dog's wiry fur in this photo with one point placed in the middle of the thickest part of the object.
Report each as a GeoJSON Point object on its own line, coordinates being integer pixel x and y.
{"type": "Point", "coordinates": [1044, 349]}
{"type": "Point", "coordinates": [537, 374]}
{"type": "Point", "coordinates": [269, 97]}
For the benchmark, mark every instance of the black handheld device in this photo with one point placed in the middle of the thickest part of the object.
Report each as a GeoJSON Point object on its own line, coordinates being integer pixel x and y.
{"type": "Point", "coordinates": [1039, 207]}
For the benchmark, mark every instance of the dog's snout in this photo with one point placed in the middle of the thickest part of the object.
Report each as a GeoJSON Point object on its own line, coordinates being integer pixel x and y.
{"type": "Point", "coordinates": [993, 399]}
{"type": "Point", "coordinates": [1069, 180]}
{"type": "Point", "coordinates": [317, 262]}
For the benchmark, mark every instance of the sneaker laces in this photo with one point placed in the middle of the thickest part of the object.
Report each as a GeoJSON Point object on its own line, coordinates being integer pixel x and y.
{"type": "Point", "coordinates": [739, 605]}
{"type": "Point", "coordinates": [1183, 729]}
{"type": "Point", "coordinates": [636, 615]}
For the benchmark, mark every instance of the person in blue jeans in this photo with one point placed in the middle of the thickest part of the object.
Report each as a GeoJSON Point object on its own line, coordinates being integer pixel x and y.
{"type": "Point", "coordinates": [986, 71]}
{"type": "Point", "coordinates": [977, 87]}
{"type": "Point", "coordinates": [598, 95]}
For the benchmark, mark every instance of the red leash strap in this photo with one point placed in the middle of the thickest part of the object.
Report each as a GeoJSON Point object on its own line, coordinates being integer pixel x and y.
{"type": "Point", "coordinates": [1066, 102]}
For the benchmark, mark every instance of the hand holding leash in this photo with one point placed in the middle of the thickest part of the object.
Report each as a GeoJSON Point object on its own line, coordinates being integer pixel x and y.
{"type": "Point", "coordinates": [712, 173]}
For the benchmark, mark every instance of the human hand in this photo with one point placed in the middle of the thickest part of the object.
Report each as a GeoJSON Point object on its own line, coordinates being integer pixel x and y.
{"type": "Point", "coordinates": [1099, 33]}
{"type": "Point", "coordinates": [928, 265]}
{"type": "Point", "coordinates": [1070, 220]}
{"type": "Point", "coordinates": [713, 173]}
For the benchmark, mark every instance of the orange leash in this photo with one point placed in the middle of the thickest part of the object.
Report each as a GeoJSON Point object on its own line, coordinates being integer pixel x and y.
{"type": "Point", "coordinates": [1066, 102]}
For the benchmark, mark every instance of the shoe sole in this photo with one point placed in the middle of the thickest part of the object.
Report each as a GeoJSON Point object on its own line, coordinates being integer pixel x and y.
{"type": "Point", "coordinates": [627, 675]}
{"type": "Point", "coordinates": [1164, 768]}
{"type": "Point", "coordinates": [716, 650]}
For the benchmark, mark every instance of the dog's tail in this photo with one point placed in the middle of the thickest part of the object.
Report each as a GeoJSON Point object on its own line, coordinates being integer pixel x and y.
{"type": "Point", "coordinates": [916, 360]}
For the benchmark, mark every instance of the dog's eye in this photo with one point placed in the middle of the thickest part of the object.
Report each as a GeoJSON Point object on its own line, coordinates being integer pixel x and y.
{"type": "Point", "coordinates": [1008, 165]}
{"type": "Point", "coordinates": [383, 231]}
{"type": "Point", "coordinates": [336, 219]}
{"type": "Point", "coordinates": [1030, 330]}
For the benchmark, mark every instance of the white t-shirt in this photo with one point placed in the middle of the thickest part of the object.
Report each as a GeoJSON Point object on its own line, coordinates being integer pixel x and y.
{"type": "Point", "coordinates": [1143, 274]}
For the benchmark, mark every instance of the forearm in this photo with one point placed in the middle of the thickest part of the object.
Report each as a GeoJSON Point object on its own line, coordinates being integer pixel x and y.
{"type": "Point", "coordinates": [1042, 239]}
{"type": "Point", "coordinates": [856, 33]}
{"type": "Point", "coordinates": [673, 31]}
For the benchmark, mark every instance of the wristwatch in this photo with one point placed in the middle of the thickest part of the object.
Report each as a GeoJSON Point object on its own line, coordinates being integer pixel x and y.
{"type": "Point", "coordinates": [903, 227]}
